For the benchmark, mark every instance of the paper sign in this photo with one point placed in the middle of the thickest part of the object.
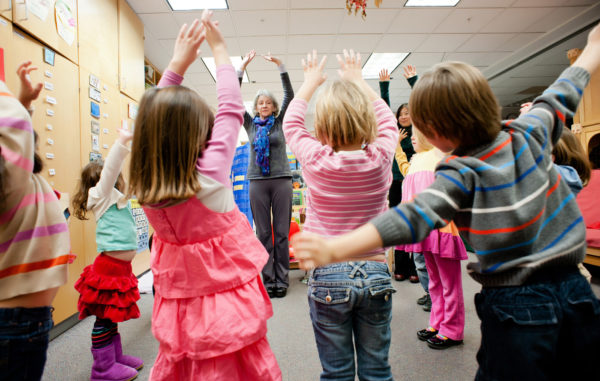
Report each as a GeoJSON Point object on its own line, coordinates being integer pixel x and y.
{"type": "Point", "coordinates": [51, 100]}
{"type": "Point", "coordinates": [49, 127]}
{"type": "Point", "coordinates": [95, 110]}
{"type": "Point", "coordinates": [64, 14]}
{"type": "Point", "coordinates": [49, 112]}
{"type": "Point", "coordinates": [105, 130]}
{"type": "Point", "coordinates": [95, 127]}
{"type": "Point", "coordinates": [49, 156]}
{"type": "Point", "coordinates": [132, 110]}
{"type": "Point", "coordinates": [94, 81]}
{"type": "Point", "coordinates": [48, 73]}
{"type": "Point", "coordinates": [52, 172]}
{"type": "Point", "coordinates": [95, 156]}
{"type": "Point", "coordinates": [50, 141]}
{"type": "Point", "coordinates": [95, 143]}
{"type": "Point", "coordinates": [39, 8]}
{"type": "Point", "coordinates": [105, 146]}
{"type": "Point", "coordinates": [95, 94]}
{"type": "Point", "coordinates": [105, 115]}
{"type": "Point", "coordinates": [49, 56]}
{"type": "Point", "coordinates": [141, 224]}
{"type": "Point", "coordinates": [48, 86]}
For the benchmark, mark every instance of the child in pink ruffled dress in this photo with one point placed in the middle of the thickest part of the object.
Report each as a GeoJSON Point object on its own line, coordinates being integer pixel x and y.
{"type": "Point", "coordinates": [443, 250]}
{"type": "Point", "coordinates": [211, 308]}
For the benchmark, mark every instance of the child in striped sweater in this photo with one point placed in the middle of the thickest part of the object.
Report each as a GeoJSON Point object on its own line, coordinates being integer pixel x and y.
{"type": "Point", "coordinates": [34, 240]}
{"type": "Point", "coordinates": [347, 168]}
{"type": "Point", "coordinates": [538, 314]}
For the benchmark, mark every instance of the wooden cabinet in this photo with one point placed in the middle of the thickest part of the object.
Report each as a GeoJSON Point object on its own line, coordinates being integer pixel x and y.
{"type": "Point", "coordinates": [131, 52]}
{"type": "Point", "coordinates": [99, 38]}
{"type": "Point", "coordinates": [56, 119]}
{"type": "Point", "coordinates": [54, 22]}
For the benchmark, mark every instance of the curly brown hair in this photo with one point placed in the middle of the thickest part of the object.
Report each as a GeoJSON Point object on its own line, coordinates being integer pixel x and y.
{"type": "Point", "coordinates": [90, 175]}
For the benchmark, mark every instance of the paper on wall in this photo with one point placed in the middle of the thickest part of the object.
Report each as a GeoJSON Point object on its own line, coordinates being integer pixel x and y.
{"type": "Point", "coordinates": [64, 14]}
{"type": "Point", "coordinates": [39, 8]}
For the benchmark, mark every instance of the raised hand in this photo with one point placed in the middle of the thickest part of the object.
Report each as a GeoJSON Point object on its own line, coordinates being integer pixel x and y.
{"type": "Point", "coordinates": [247, 59]}
{"type": "Point", "coordinates": [409, 71]}
{"type": "Point", "coordinates": [215, 39]}
{"type": "Point", "coordinates": [270, 58]}
{"type": "Point", "coordinates": [402, 133]}
{"type": "Point", "coordinates": [124, 136]}
{"type": "Point", "coordinates": [187, 46]}
{"type": "Point", "coordinates": [313, 75]}
{"type": "Point", "coordinates": [350, 66]}
{"type": "Point", "coordinates": [384, 76]}
{"type": "Point", "coordinates": [28, 92]}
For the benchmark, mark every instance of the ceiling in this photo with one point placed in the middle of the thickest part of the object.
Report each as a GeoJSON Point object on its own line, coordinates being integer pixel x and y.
{"type": "Point", "coordinates": [517, 44]}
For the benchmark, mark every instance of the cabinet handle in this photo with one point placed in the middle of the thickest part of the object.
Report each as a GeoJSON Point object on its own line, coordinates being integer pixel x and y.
{"type": "Point", "coordinates": [23, 3]}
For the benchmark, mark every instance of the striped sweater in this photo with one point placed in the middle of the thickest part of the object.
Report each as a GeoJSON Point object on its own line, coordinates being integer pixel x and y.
{"type": "Point", "coordinates": [346, 188]}
{"type": "Point", "coordinates": [506, 198]}
{"type": "Point", "coordinates": [34, 238]}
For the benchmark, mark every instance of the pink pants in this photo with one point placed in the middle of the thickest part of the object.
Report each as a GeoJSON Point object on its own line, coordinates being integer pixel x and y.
{"type": "Point", "coordinates": [447, 303]}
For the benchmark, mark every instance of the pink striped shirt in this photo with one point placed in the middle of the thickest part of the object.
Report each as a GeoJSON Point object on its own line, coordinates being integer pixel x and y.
{"type": "Point", "coordinates": [346, 189]}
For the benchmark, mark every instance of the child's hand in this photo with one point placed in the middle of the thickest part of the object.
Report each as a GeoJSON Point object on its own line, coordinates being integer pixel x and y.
{"type": "Point", "coordinates": [350, 66]}
{"type": "Point", "coordinates": [311, 250]}
{"type": "Point", "coordinates": [589, 59]}
{"type": "Point", "coordinates": [270, 58]}
{"type": "Point", "coordinates": [28, 93]}
{"type": "Point", "coordinates": [313, 71]}
{"type": "Point", "coordinates": [125, 136]}
{"type": "Point", "coordinates": [525, 107]}
{"type": "Point", "coordinates": [187, 47]}
{"type": "Point", "coordinates": [215, 39]}
{"type": "Point", "coordinates": [402, 133]}
{"type": "Point", "coordinates": [409, 71]}
{"type": "Point", "coordinates": [384, 76]}
{"type": "Point", "coordinates": [247, 59]}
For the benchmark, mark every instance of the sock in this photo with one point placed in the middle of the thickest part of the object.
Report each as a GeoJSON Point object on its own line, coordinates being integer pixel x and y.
{"type": "Point", "coordinates": [103, 332]}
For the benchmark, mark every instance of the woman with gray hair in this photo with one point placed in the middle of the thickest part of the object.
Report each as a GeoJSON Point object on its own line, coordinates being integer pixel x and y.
{"type": "Point", "coordinates": [270, 178]}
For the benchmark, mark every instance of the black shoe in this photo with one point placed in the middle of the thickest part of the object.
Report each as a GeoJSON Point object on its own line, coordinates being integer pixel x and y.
{"type": "Point", "coordinates": [441, 342]}
{"type": "Point", "coordinates": [421, 301]}
{"type": "Point", "coordinates": [271, 292]}
{"type": "Point", "coordinates": [413, 279]}
{"type": "Point", "coordinates": [427, 304]}
{"type": "Point", "coordinates": [280, 292]}
{"type": "Point", "coordinates": [426, 334]}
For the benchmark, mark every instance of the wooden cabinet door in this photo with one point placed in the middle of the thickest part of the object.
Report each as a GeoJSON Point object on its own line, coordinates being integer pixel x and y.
{"type": "Point", "coordinates": [99, 39]}
{"type": "Point", "coordinates": [56, 120]}
{"type": "Point", "coordinates": [54, 22]}
{"type": "Point", "coordinates": [131, 52]}
{"type": "Point", "coordinates": [6, 9]}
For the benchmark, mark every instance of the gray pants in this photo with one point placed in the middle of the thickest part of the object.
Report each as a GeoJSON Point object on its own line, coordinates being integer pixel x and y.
{"type": "Point", "coordinates": [273, 195]}
{"type": "Point", "coordinates": [419, 259]}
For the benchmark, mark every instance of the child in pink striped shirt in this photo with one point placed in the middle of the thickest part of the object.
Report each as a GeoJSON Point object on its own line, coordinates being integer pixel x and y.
{"type": "Point", "coordinates": [347, 168]}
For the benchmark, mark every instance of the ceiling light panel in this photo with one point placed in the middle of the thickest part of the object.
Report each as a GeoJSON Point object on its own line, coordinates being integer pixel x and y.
{"type": "Point", "coordinates": [210, 65]}
{"type": "Point", "coordinates": [194, 5]}
{"type": "Point", "coordinates": [378, 61]}
{"type": "Point", "coordinates": [431, 3]}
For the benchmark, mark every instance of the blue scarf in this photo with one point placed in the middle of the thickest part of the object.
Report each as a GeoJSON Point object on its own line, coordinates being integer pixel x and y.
{"type": "Point", "coordinates": [261, 143]}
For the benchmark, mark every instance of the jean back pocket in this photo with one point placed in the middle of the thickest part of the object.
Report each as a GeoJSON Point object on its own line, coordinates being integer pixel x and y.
{"type": "Point", "coordinates": [527, 314]}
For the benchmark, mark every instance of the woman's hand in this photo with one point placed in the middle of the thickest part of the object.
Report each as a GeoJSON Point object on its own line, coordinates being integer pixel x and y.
{"type": "Point", "coordinates": [384, 76]}
{"type": "Point", "coordinates": [402, 134]}
{"type": "Point", "coordinates": [270, 58]}
{"type": "Point", "coordinates": [187, 46]}
{"type": "Point", "coordinates": [28, 92]}
{"type": "Point", "coordinates": [247, 59]}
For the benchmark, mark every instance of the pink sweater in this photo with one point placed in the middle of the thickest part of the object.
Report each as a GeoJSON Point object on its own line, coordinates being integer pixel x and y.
{"type": "Point", "coordinates": [347, 188]}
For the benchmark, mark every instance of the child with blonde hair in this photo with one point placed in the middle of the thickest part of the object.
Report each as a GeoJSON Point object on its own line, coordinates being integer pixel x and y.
{"type": "Point", "coordinates": [347, 168]}
{"type": "Point", "coordinates": [211, 307]}
{"type": "Point", "coordinates": [538, 314]}
{"type": "Point", "coordinates": [442, 248]}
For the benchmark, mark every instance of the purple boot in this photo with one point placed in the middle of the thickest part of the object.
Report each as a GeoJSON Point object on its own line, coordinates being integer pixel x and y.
{"type": "Point", "coordinates": [130, 361]}
{"type": "Point", "coordinates": [105, 367]}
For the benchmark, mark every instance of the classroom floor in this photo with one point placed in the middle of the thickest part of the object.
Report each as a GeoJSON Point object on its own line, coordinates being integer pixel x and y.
{"type": "Point", "coordinates": [291, 337]}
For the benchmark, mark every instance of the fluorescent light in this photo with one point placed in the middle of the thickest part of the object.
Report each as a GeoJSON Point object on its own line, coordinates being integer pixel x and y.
{"type": "Point", "coordinates": [194, 5]}
{"type": "Point", "coordinates": [249, 106]}
{"type": "Point", "coordinates": [378, 61]}
{"type": "Point", "coordinates": [431, 3]}
{"type": "Point", "coordinates": [210, 65]}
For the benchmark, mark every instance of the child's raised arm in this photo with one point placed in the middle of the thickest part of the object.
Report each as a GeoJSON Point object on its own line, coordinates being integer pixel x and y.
{"type": "Point", "coordinates": [217, 158]}
{"type": "Point", "coordinates": [113, 163]}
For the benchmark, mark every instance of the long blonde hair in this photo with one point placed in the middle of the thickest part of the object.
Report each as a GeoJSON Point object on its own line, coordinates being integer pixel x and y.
{"type": "Point", "coordinates": [171, 130]}
{"type": "Point", "coordinates": [344, 115]}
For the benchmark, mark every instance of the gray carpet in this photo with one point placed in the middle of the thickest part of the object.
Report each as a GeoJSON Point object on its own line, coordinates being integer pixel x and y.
{"type": "Point", "coordinates": [291, 337]}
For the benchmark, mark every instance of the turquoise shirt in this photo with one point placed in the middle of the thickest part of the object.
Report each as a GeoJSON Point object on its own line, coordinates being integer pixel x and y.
{"type": "Point", "coordinates": [116, 230]}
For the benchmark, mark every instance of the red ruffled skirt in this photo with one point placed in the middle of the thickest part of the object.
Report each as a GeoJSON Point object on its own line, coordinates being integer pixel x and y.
{"type": "Point", "coordinates": [109, 290]}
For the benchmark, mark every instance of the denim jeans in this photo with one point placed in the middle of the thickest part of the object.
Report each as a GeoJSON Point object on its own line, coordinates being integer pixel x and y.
{"type": "Point", "coordinates": [346, 299]}
{"type": "Point", "coordinates": [546, 329]}
{"type": "Point", "coordinates": [23, 342]}
{"type": "Point", "coordinates": [419, 260]}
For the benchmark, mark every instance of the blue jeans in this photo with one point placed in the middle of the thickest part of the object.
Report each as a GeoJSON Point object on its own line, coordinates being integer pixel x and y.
{"type": "Point", "coordinates": [419, 260]}
{"type": "Point", "coordinates": [546, 329]}
{"type": "Point", "coordinates": [23, 342]}
{"type": "Point", "coordinates": [346, 299]}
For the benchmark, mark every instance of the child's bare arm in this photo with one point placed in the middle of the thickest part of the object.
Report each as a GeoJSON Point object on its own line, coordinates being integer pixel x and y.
{"type": "Point", "coordinates": [28, 92]}
{"type": "Point", "coordinates": [113, 163]}
{"type": "Point", "coordinates": [589, 59]}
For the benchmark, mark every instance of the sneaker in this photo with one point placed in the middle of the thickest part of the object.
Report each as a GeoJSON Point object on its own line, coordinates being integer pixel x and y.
{"type": "Point", "coordinates": [427, 304]}
{"type": "Point", "coordinates": [442, 342]}
{"type": "Point", "coordinates": [426, 334]}
{"type": "Point", "coordinates": [422, 299]}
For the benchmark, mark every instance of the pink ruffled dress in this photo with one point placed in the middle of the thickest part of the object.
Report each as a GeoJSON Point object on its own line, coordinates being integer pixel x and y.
{"type": "Point", "coordinates": [210, 308]}
{"type": "Point", "coordinates": [444, 242]}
